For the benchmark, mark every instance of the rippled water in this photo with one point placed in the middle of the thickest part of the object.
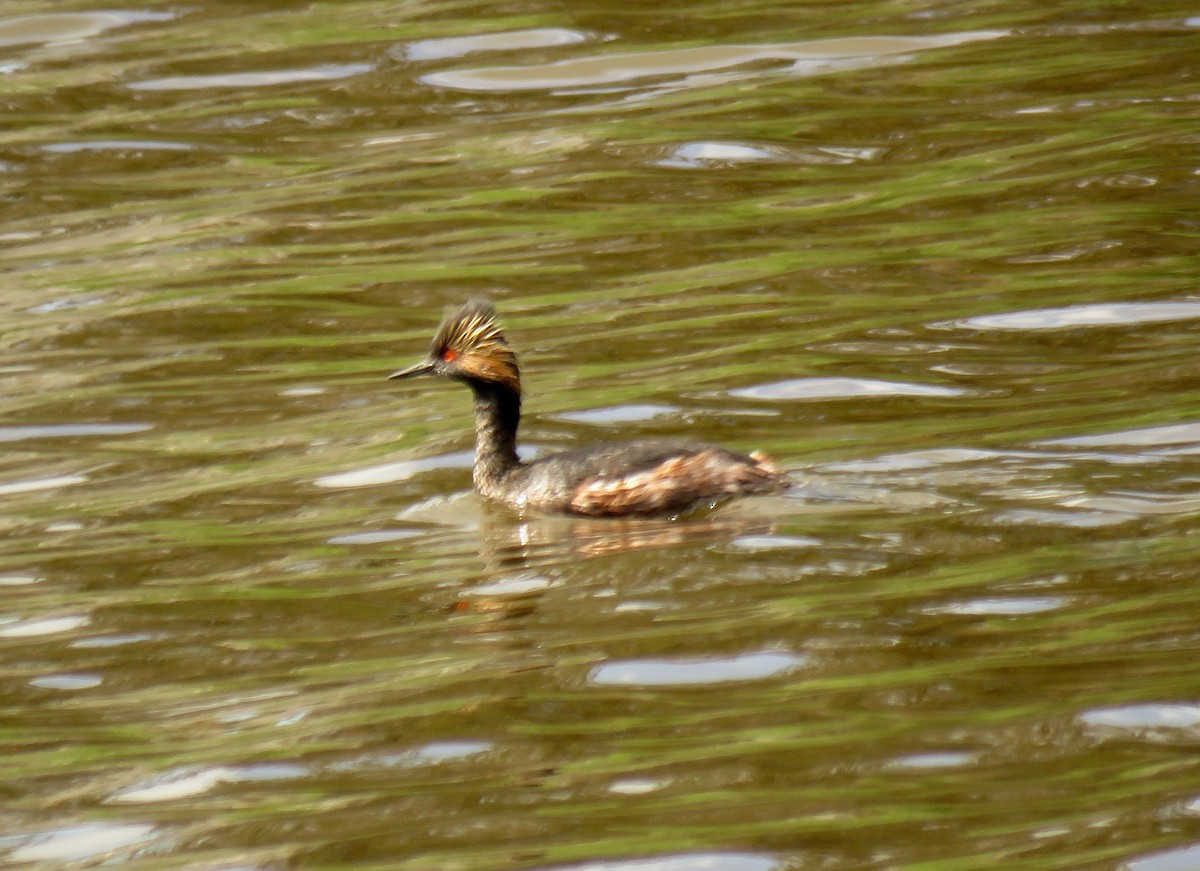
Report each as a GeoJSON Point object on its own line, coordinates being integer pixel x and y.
{"type": "Point", "coordinates": [938, 260]}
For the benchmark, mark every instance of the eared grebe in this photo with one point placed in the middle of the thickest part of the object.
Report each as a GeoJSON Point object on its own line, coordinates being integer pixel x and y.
{"type": "Point", "coordinates": [623, 478]}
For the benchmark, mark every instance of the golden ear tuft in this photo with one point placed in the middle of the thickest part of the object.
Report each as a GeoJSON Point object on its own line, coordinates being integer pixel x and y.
{"type": "Point", "coordinates": [471, 339]}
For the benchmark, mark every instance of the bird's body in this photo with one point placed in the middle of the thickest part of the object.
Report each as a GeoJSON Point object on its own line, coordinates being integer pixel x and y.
{"type": "Point", "coordinates": [620, 478]}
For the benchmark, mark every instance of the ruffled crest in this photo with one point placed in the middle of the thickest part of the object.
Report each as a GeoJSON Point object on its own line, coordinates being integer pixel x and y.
{"type": "Point", "coordinates": [470, 339]}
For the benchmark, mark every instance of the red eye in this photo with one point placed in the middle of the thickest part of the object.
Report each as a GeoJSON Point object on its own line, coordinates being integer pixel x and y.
{"type": "Point", "coordinates": [449, 355]}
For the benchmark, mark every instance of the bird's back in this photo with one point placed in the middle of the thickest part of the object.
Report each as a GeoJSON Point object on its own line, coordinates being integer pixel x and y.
{"type": "Point", "coordinates": [640, 477]}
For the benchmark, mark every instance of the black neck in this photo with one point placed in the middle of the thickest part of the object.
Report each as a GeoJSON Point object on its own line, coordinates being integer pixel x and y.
{"type": "Point", "coordinates": [497, 415]}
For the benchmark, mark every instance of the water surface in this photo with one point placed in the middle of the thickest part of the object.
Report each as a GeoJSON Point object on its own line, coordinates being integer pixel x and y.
{"type": "Point", "coordinates": [938, 260]}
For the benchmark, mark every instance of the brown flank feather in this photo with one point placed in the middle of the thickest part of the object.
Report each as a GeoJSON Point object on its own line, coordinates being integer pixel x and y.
{"type": "Point", "coordinates": [675, 484]}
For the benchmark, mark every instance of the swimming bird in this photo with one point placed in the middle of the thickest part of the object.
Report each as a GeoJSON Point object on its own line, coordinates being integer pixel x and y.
{"type": "Point", "coordinates": [643, 477]}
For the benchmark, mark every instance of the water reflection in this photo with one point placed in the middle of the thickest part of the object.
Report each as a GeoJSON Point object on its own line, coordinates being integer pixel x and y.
{"type": "Point", "coordinates": [996, 607]}
{"type": "Point", "coordinates": [681, 862]}
{"type": "Point", "coordinates": [831, 388]}
{"type": "Point", "coordinates": [1180, 859]}
{"type": "Point", "coordinates": [1173, 434]}
{"type": "Point", "coordinates": [546, 540]}
{"type": "Point", "coordinates": [187, 783]}
{"type": "Point", "coordinates": [67, 681]}
{"type": "Point", "coordinates": [697, 155]}
{"type": "Point", "coordinates": [69, 430]}
{"type": "Point", "coordinates": [389, 473]}
{"type": "Point", "coordinates": [692, 672]}
{"type": "Point", "coordinates": [83, 842]}
{"type": "Point", "coordinates": [69, 26]}
{"type": "Point", "coordinates": [1099, 315]}
{"type": "Point", "coordinates": [1180, 719]}
{"type": "Point", "coordinates": [511, 40]}
{"type": "Point", "coordinates": [252, 615]}
{"type": "Point", "coordinates": [256, 79]}
{"type": "Point", "coordinates": [39, 626]}
{"type": "Point", "coordinates": [590, 72]}
{"type": "Point", "coordinates": [926, 761]}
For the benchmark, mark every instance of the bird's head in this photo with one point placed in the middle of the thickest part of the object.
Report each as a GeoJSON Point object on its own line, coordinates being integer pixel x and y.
{"type": "Point", "coordinates": [470, 347]}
